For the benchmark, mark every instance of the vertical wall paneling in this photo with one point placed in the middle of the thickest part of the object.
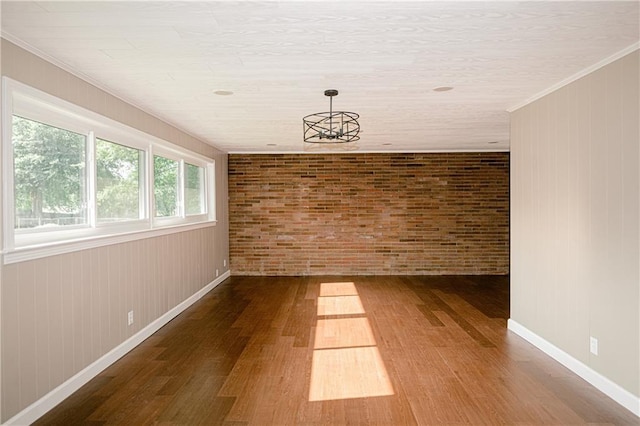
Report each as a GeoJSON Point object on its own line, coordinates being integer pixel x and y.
{"type": "Point", "coordinates": [10, 333]}
{"type": "Point", "coordinates": [631, 136]}
{"type": "Point", "coordinates": [60, 314]}
{"type": "Point", "coordinates": [1, 239]}
{"type": "Point", "coordinates": [41, 337]}
{"type": "Point", "coordinates": [54, 321]}
{"type": "Point", "coordinates": [575, 218]}
{"type": "Point", "coordinates": [27, 328]}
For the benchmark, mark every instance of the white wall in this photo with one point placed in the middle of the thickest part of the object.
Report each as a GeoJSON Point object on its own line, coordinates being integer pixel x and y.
{"type": "Point", "coordinates": [575, 243]}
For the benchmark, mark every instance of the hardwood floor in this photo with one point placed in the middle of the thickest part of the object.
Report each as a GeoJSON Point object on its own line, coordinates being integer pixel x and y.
{"type": "Point", "coordinates": [341, 350]}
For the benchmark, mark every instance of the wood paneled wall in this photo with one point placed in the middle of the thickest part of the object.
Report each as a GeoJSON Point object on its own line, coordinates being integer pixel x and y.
{"type": "Point", "coordinates": [59, 314]}
{"type": "Point", "coordinates": [575, 244]}
{"type": "Point", "coordinates": [369, 214]}
{"type": "Point", "coordinates": [63, 312]}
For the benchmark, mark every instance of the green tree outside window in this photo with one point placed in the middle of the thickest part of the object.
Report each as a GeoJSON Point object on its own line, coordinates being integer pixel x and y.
{"type": "Point", "coordinates": [49, 175]}
{"type": "Point", "coordinates": [165, 181]}
{"type": "Point", "coordinates": [118, 188]}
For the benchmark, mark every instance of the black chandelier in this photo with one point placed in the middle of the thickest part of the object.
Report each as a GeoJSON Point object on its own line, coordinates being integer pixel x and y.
{"type": "Point", "coordinates": [332, 126]}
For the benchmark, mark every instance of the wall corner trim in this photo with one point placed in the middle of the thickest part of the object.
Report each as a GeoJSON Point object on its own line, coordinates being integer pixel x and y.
{"type": "Point", "coordinates": [57, 395]}
{"type": "Point", "coordinates": [614, 391]}
{"type": "Point", "coordinates": [576, 76]}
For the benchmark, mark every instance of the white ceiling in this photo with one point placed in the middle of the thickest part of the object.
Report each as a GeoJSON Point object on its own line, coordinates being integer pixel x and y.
{"type": "Point", "coordinates": [277, 58]}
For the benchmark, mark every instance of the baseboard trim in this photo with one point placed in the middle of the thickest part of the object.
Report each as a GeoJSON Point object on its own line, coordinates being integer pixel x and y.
{"type": "Point", "coordinates": [614, 391]}
{"type": "Point", "coordinates": [57, 395]}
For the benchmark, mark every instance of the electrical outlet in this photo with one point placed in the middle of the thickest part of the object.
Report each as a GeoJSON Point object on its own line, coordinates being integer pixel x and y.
{"type": "Point", "coordinates": [216, 272]}
{"type": "Point", "coordinates": [224, 262]}
{"type": "Point", "coordinates": [130, 318]}
{"type": "Point", "coordinates": [593, 345]}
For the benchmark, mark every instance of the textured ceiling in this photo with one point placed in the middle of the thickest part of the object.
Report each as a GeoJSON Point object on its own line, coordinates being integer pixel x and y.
{"type": "Point", "coordinates": [277, 58]}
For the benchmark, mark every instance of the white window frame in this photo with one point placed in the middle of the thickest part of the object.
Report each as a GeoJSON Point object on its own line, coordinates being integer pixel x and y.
{"type": "Point", "coordinates": [168, 220]}
{"type": "Point", "coordinates": [20, 99]}
{"type": "Point", "coordinates": [143, 212]}
{"type": "Point", "coordinates": [184, 183]}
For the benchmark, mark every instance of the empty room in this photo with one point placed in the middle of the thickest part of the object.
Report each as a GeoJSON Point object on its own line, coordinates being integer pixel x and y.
{"type": "Point", "coordinates": [306, 213]}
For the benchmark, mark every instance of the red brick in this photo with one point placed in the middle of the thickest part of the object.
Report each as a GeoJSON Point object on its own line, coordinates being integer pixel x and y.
{"type": "Point", "coordinates": [445, 213]}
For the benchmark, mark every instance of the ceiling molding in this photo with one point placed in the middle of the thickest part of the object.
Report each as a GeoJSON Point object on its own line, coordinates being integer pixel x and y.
{"type": "Point", "coordinates": [577, 76]}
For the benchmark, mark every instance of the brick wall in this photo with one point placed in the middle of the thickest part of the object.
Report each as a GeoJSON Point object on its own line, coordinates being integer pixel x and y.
{"type": "Point", "coordinates": [383, 214]}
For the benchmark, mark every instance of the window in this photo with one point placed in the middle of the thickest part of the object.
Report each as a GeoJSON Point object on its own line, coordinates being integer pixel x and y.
{"type": "Point", "coordinates": [119, 188]}
{"type": "Point", "coordinates": [194, 189]}
{"type": "Point", "coordinates": [165, 184]}
{"type": "Point", "coordinates": [71, 176]}
{"type": "Point", "coordinates": [49, 175]}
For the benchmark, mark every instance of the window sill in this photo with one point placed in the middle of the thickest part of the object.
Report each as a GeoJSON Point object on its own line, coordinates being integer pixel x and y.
{"type": "Point", "coordinates": [22, 254]}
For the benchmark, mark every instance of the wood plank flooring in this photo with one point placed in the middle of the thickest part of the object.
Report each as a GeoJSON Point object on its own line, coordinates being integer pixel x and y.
{"type": "Point", "coordinates": [341, 350]}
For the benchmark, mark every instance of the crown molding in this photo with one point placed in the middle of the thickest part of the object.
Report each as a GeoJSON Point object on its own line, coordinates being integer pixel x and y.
{"type": "Point", "coordinates": [578, 75]}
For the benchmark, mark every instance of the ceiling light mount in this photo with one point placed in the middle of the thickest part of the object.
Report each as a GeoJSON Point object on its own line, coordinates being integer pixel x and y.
{"type": "Point", "coordinates": [332, 126]}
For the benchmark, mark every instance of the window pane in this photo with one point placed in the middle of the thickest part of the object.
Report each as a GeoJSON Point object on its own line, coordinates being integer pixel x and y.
{"type": "Point", "coordinates": [49, 175]}
{"type": "Point", "coordinates": [194, 189]}
{"type": "Point", "coordinates": [118, 189]}
{"type": "Point", "coordinates": [165, 186]}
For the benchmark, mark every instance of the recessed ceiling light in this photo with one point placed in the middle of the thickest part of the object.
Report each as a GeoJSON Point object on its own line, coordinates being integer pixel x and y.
{"type": "Point", "coordinates": [443, 89]}
{"type": "Point", "coordinates": [223, 92]}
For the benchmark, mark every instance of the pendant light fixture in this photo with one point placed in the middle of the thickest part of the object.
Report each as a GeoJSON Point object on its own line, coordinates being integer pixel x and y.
{"type": "Point", "coordinates": [331, 127]}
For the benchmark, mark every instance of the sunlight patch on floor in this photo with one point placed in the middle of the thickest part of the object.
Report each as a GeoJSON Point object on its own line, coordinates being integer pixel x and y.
{"type": "Point", "coordinates": [346, 360]}
{"type": "Point", "coordinates": [348, 373]}
{"type": "Point", "coordinates": [340, 305]}
{"type": "Point", "coordinates": [338, 289]}
{"type": "Point", "coordinates": [343, 333]}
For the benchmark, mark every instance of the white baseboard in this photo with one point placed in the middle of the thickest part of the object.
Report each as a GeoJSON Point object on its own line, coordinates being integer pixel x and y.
{"type": "Point", "coordinates": [614, 391]}
{"type": "Point", "coordinates": [57, 395]}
